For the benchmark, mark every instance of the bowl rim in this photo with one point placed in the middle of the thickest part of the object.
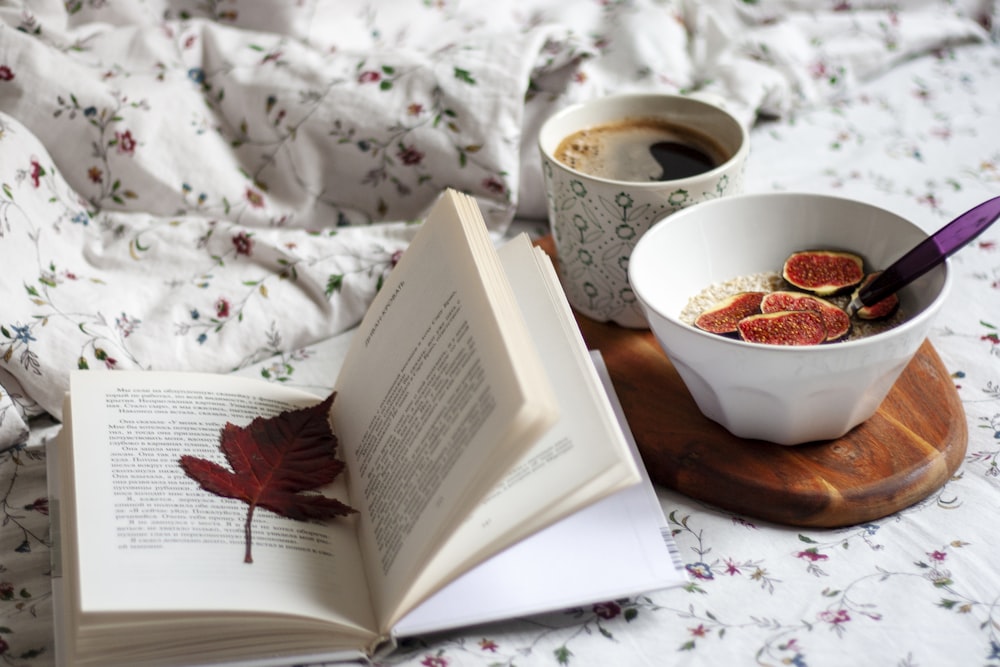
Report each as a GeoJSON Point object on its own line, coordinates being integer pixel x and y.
{"type": "Point", "coordinates": [823, 348]}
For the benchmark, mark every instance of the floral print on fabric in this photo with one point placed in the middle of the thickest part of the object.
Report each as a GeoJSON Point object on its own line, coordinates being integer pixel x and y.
{"type": "Point", "coordinates": [223, 186]}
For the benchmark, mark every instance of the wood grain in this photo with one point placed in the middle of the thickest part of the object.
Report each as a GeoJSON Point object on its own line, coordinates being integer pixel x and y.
{"type": "Point", "coordinates": [901, 455]}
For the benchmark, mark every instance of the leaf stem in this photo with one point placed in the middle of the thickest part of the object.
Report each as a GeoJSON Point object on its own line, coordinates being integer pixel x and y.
{"type": "Point", "coordinates": [248, 534]}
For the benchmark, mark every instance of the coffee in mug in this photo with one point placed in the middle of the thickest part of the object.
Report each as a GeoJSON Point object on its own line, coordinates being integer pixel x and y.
{"type": "Point", "coordinates": [641, 150]}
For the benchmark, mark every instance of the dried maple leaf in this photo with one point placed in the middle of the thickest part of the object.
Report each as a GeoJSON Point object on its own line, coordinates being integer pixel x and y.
{"type": "Point", "coordinates": [273, 460]}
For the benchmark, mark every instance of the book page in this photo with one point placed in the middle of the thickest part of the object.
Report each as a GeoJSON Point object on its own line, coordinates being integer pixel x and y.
{"type": "Point", "coordinates": [441, 392]}
{"type": "Point", "coordinates": [582, 459]}
{"type": "Point", "coordinates": [142, 525]}
{"type": "Point", "coordinates": [618, 547]}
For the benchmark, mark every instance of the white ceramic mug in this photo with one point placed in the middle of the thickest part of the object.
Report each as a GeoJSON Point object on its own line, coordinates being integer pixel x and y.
{"type": "Point", "coordinates": [597, 221]}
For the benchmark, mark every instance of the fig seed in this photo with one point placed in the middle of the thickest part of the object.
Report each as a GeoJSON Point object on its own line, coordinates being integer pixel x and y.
{"type": "Point", "coordinates": [723, 316]}
{"type": "Point", "coordinates": [877, 311]}
{"type": "Point", "coordinates": [836, 319]}
{"type": "Point", "coordinates": [823, 272]}
{"type": "Point", "coordinates": [785, 327]}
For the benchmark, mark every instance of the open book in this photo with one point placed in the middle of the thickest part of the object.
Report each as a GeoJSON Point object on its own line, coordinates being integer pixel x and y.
{"type": "Point", "coordinates": [470, 417]}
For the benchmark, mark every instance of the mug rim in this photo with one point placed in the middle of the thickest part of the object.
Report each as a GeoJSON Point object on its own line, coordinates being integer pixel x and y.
{"type": "Point", "coordinates": [738, 155]}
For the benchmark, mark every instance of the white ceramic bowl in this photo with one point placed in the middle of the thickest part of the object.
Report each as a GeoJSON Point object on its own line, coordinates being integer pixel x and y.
{"type": "Point", "coordinates": [785, 394]}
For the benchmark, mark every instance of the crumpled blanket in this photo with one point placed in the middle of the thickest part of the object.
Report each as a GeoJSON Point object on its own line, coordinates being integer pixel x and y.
{"type": "Point", "coordinates": [191, 185]}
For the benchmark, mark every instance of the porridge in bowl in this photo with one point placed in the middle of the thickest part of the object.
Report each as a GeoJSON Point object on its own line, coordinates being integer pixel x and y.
{"type": "Point", "coordinates": [803, 304]}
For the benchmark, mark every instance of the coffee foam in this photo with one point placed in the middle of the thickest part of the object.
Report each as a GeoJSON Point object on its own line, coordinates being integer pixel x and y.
{"type": "Point", "coordinates": [621, 150]}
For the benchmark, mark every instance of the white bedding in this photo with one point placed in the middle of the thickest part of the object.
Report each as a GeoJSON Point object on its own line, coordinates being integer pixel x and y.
{"type": "Point", "coordinates": [209, 159]}
{"type": "Point", "coordinates": [220, 186]}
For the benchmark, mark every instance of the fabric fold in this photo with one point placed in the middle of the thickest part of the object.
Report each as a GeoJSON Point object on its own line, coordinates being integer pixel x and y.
{"type": "Point", "coordinates": [202, 188]}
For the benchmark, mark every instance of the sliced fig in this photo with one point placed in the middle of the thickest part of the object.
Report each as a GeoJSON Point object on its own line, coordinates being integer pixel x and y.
{"type": "Point", "coordinates": [835, 318]}
{"type": "Point", "coordinates": [785, 327]}
{"type": "Point", "coordinates": [723, 316]}
{"type": "Point", "coordinates": [878, 311]}
{"type": "Point", "coordinates": [823, 272]}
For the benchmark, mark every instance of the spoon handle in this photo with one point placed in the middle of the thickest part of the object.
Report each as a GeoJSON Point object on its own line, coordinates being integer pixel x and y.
{"type": "Point", "coordinates": [928, 253]}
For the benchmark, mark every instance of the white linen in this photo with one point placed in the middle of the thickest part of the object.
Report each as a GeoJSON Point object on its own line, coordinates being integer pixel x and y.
{"type": "Point", "coordinates": [895, 104]}
{"type": "Point", "coordinates": [208, 160]}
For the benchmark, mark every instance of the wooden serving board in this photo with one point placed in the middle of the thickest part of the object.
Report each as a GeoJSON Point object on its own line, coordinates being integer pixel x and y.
{"type": "Point", "coordinates": [906, 451]}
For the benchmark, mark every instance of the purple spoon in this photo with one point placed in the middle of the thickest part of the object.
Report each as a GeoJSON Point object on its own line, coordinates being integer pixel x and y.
{"type": "Point", "coordinates": [928, 253]}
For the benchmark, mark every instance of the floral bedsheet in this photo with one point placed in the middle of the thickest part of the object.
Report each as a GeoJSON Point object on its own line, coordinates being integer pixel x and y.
{"type": "Point", "coordinates": [222, 185]}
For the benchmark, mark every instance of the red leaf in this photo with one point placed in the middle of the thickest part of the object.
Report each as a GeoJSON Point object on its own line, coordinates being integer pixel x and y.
{"type": "Point", "coordinates": [274, 459]}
